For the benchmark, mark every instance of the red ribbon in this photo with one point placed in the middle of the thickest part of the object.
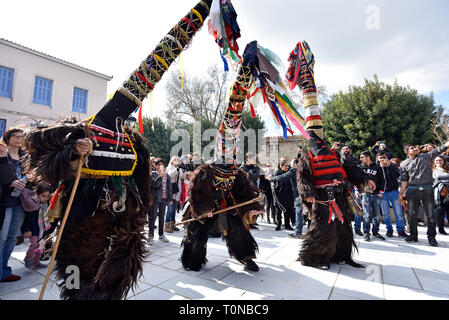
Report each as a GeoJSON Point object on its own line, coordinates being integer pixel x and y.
{"type": "Point", "coordinates": [110, 141]}
{"type": "Point", "coordinates": [190, 23]}
{"type": "Point", "coordinates": [333, 208]}
{"type": "Point", "coordinates": [55, 197]}
{"type": "Point", "coordinates": [140, 118]}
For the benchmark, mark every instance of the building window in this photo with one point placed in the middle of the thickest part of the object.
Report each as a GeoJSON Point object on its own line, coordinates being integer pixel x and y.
{"type": "Point", "coordinates": [42, 91]}
{"type": "Point", "coordinates": [274, 147]}
{"type": "Point", "coordinates": [79, 100]}
{"type": "Point", "coordinates": [2, 127]}
{"type": "Point", "coordinates": [6, 79]}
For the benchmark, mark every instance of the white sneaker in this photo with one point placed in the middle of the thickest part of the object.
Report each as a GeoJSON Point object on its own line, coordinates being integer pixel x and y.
{"type": "Point", "coordinates": [163, 238]}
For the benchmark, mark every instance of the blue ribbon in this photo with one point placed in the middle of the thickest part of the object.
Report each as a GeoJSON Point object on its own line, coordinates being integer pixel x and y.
{"type": "Point", "coordinates": [226, 67]}
{"type": "Point", "coordinates": [284, 126]}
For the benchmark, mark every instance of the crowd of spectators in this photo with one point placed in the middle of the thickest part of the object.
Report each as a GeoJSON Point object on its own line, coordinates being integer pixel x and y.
{"type": "Point", "coordinates": [417, 190]}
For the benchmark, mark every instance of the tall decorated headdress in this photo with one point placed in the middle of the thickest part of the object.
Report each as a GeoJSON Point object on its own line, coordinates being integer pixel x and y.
{"type": "Point", "coordinates": [326, 167]}
{"type": "Point", "coordinates": [225, 29]}
{"type": "Point", "coordinates": [257, 78]}
{"type": "Point", "coordinates": [300, 72]}
{"type": "Point", "coordinates": [113, 152]}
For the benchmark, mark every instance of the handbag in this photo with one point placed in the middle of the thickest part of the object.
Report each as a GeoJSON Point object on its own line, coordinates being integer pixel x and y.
{"type": "Point", "coordinates": [29, 199]}
{"type": "Point", "coordinates": [444, 192]}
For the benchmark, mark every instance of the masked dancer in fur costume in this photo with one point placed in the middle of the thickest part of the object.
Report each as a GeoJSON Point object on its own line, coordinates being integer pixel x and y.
{"type": "Point", "coordinates": [324, 178]}
{"type": "Point", "coordinates": [220, 185]}
{"type": "Point", "coordinates": [104, 234]}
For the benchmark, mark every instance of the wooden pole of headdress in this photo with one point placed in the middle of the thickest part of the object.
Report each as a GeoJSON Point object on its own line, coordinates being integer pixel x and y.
{"type": "Point", "coordinates": [259, 198]}
{"type": "Point", "coordinates": [61, 228]}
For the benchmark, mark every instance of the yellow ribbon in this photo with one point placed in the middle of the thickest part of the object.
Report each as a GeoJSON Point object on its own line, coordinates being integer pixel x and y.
{"type": "Point", "coordinates": [161, 61]}
{"type": "Point", "coordinates": [198, 15]}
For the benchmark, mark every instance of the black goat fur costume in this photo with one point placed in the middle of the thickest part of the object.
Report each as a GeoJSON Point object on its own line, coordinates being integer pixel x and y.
{"type": "Point", "coordinates": [107, 247]}
{"type": "Point", "coordinates": [324, 242]}
{"type": "Point", "coordinates": [204, 198]}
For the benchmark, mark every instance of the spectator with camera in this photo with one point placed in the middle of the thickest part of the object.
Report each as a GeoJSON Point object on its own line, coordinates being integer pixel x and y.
{"type": "Point", "coordinates": [371, 198]}
{"type": "Point", "coordinates": [290, 177]}
{"type": "Point", "coordinates": [390, 172]}
{"type": "Point", "coordinates": [380, 146]}
{"type": "Point", "coordinates": [283, 197]}
{"type": "Point", "coordinates": [416, 175]}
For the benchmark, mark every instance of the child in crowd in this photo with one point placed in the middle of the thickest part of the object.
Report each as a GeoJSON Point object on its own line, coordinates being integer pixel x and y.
{"type": "Point", "coordinates": [35, 225]}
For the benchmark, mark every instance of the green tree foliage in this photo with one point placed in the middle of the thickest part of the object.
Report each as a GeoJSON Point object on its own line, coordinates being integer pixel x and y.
{"type": "Point", "coordinates": [158, 140]}
{"type": "Point", "coordinates": [379, 112]}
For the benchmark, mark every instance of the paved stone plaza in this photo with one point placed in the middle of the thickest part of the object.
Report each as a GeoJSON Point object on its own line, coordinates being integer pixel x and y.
{"type": "Point", "coordinates": [395, 270]}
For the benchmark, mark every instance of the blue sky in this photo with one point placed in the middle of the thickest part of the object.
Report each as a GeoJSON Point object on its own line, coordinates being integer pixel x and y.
{"type": "Point", "coordinates": [405, 40]}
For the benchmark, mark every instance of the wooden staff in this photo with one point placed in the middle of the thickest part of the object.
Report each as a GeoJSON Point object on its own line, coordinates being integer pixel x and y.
{"type": "Point", "coordinates": [61, 228]}
{"type": "Point", "coordinates": [259, 198]}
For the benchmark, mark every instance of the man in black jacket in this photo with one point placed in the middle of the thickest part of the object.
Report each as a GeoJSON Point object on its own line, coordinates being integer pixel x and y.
{"type": "Point", "coordinates": [161, 190]}
{"type": "Point", "coordinates": [283, 198]}
{"type": "Point", "coordinates": [390, 172]}
{"type": "Point", "coordinates": [290, 177]}
{"type": "Point", "coordinates": [371, 198]}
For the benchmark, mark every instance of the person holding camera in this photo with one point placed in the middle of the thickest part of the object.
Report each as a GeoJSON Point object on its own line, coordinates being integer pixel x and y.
{"type": "Point", "coordinates": [380, 146]}
{"type": "Point", "coordinates": [391, 174]}
{"type": "Point", "coordinates": [371, 198]}
{"type": "Point", "coordinates": [416, 176]}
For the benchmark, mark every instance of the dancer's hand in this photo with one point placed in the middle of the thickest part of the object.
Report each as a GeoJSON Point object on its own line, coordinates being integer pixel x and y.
{"type": "Point", "coordinates": [210, 214]}
{"type": "Point", "coordinates": [253, 213]}
{"type": "Point", "coordinates": [82, 146]}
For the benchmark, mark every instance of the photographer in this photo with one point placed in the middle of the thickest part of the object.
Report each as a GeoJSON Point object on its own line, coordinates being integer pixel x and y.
{"type": "Point", "coordinates": [371, 198]}
{"type": "Point", "coordinates": [380, 146]}
{"type": "Point", "coordinates": [391, 174]}
{"type": "Point", "coordinates": [416, 175]}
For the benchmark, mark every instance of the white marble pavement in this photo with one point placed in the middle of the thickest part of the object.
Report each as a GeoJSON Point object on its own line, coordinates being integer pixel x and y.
{"type": "Point", "coordinates": [395, 270]}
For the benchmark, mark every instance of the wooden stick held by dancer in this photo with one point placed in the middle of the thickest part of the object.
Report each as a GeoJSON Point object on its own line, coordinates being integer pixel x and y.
{"type": "Point", "coordinates": [259, 198]}
{"type": "Point", "coordinates": [63, 222]}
